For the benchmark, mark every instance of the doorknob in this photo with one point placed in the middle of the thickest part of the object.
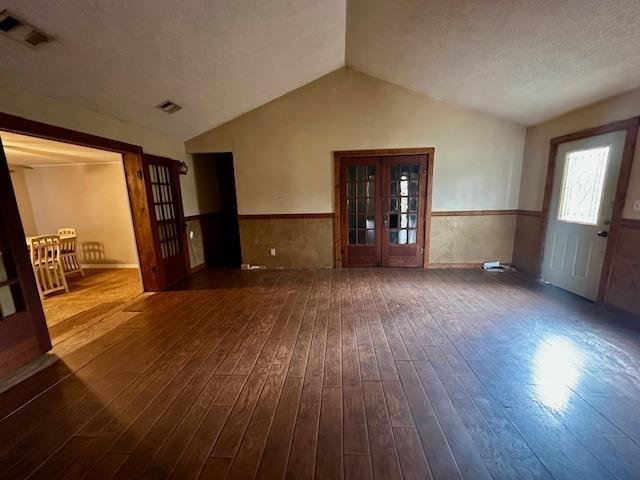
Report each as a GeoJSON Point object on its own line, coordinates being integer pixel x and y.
{"type": "Point", "coordinates": [603, 233]}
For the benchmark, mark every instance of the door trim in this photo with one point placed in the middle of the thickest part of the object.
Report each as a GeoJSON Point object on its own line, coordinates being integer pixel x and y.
{"type": "Point", "coordinates": [132, 161]}
{"type": "Point", "coordinates": [33, 315]}
{"type": "Point", "coordinates": [631, 126]}
{"type": "Point", "coordinates": [387, 152]}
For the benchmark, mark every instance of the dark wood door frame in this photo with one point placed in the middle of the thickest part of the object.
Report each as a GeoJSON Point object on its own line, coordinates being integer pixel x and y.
{"type": "Point", "coordinates": [23, 334]}
{"type": "Point", "coordinates": [339, 155]}
{"type": "Point", "coordinates": [133, 166]}
{"type": "Point", "coordinates": [631, 127]}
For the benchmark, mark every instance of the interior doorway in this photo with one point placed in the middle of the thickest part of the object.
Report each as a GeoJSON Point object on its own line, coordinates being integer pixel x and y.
{"type": "Point", "coordinates": [581, 211]}
{"type": "Point", "coordinates": [383, 207]}
{"type": "Point", "coordinates": [216, 186]}
{"type": "Point", "coordinates": [74, 209]}
{"type": "Point", "coordinates": [24, 334]}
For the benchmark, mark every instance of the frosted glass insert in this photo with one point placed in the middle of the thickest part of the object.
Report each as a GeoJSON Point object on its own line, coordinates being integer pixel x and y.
{"type": "Point", "coordinates": [582, 185]}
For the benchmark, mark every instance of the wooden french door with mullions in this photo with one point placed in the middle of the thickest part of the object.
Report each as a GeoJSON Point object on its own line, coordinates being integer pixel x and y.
{"type": "Point", "coordinates": [167, 218]}
{"type": "Point", "coordinates": [383, 205]}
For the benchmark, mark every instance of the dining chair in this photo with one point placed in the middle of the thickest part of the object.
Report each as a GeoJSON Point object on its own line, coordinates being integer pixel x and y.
{"type": "Point", "coordinates": [69, 251]}
{"type": "Point", "coordinates": [47, 266]}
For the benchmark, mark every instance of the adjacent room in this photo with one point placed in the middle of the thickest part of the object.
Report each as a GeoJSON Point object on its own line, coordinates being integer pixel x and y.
{"type": "Point", "coordinates": [320, 239]}
{"type": "Point", "coordinates": [74, 209]}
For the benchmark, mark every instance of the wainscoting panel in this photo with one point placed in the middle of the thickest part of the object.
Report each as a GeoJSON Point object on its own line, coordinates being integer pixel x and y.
{"type": "Point", "coordinates": [468, 240]}
{"type": "Point", "coordinates": [299, 242]}
{"type": "Point", "coordinates": [526, 244]}
{"type": "Point", "coordinates": [623, 291]}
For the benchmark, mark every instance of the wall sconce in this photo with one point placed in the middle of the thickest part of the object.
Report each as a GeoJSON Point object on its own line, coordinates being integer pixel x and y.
{"type": "Point", "coordinates": [183, 169]}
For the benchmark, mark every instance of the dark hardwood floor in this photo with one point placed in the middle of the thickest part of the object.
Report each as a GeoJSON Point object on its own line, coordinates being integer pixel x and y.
{"type": "Point", "coordinates": [331, 374]}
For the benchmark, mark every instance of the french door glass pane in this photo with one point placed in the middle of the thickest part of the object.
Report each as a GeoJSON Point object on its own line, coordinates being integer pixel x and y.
{"type": "Point", "coordinates": [361, 204]}
{"type": "Point", "coordinates": [168, 230]}
{"type": "Point", "coordinates": [582, 185]}
{"type": "Point", "coordinates": [404, 190]}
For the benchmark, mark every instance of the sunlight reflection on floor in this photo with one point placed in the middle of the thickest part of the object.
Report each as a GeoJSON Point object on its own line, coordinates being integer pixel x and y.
{"type": "Point", "coordinates": [557, 370]}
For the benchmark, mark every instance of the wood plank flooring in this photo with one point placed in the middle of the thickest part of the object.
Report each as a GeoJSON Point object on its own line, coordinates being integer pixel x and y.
{"type": "Point", "coordinates": [99, 287]}
{"type": "Point", "coordinates": [361, 373]}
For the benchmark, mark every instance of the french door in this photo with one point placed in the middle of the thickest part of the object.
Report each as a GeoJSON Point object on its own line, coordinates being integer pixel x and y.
{"type": "Point", "coordinates": [23, 330]}
{"type": "Point", "coordinates": [383, 210]}
{"type": "Point", "coordinates": [167, 218]}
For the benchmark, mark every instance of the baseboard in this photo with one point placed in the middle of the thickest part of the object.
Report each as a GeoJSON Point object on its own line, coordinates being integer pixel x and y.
{"type": "Point", "coordinates": [443, 266]}
{"type": "Point", "coordinates": [109, 265]}
{"type": "Point", "coordinates": [460, 266]}
{"type": "Point", "coordinates": [621, 311]}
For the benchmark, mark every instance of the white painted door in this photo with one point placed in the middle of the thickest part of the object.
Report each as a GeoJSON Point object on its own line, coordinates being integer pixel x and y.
{"type": "Point", "coordinates": [585, 179]}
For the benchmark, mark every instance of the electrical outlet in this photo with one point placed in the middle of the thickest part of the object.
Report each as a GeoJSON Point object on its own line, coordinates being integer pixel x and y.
{"type": "Point", "coordinates": [273, 252]}
{"type": "Point", "coordinates": [636, 206]}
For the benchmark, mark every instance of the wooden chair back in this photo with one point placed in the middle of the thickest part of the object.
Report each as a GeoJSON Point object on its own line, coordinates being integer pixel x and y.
{"type": "Point", "coordinates": [69, 250]}
{"type": "Point", "coordinates": [47, 266]}
{"type": "Point", "coordinates": [68, 244]}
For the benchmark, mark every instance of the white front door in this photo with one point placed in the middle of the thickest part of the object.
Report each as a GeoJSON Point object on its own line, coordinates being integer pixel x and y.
{"type": "Point", "coordinates": [584, 188]}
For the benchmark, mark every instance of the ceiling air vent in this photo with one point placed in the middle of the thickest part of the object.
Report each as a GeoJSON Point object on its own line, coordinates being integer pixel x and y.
{"type": "Point", "coordinates": [169, 107]}
{"type": "Point", "coordinates": [18, 29]}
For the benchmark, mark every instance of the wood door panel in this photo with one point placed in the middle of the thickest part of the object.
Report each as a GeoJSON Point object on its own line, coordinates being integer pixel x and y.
{"type": "Point", "coordinates": [360, 187]}
{"type": "Point", "coordinates": [404, 180]}
{"type": "Point", "coordinates": [167, 218]}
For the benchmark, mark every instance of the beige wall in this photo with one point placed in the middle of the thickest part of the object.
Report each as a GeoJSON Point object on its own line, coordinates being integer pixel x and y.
{"type": "Point", "coordinates": [536, 150]}
{"type": "Point", "coordinates": [283, 150]}
{"type": "Point", "coordinates": [29, 105]}
{"type": "Point", "coordinates": [92, 199]}
{"type": "Point", "coordinates": [24, 202]}
{"type": "Point", "coordinates": [283, 159]}
{"type": "Point", "coordinates": [195, 243]}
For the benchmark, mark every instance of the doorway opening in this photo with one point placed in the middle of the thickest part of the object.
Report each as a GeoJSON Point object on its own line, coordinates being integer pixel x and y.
{"type": "Point", "coordinates": [216, 187]}
{"type": "Point", "coordinates": [74, 208]}
{"type": "Point", "coordinates": [587, 178]}
{"type": "Point", "coordinates": [383, 207]}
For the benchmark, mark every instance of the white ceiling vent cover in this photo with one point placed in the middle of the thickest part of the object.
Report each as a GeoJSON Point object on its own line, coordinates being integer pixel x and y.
{"type": "Point", "coordinates": [15, 27]}
{"type": "Point", "coordinates": [169, 107]}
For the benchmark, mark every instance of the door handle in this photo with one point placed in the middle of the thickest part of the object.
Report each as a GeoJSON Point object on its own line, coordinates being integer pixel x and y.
{"type": "Point", "coordinates": [384, 222]}
{"type": "Point", "coordinates": [603, 233]}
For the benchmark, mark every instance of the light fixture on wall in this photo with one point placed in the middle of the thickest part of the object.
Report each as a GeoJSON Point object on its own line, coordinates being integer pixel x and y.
{"type": "Point", "coordinates": [183, 169]}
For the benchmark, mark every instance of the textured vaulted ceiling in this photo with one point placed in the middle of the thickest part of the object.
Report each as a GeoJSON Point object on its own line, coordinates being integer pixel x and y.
{"type": "Point", "coordinates": [524, 60]}
{"type": "Point", "coordinates": [216, 58]}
